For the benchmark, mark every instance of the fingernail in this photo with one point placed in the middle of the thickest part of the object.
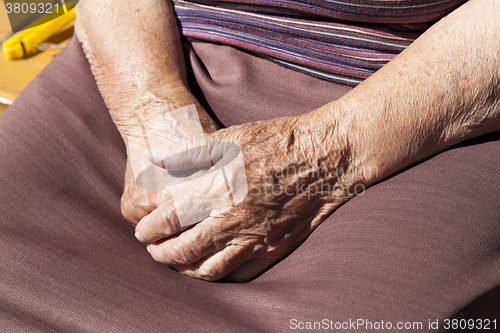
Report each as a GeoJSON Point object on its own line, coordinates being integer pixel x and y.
{"type": "Point", "coordinates": [139, 236]}
{"type": "Point", "coordinates": [148, 248]}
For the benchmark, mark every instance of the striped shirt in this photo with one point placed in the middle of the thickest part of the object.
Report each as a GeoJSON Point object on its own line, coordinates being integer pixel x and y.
{"type": "Point", "coordinates": [342, 41]}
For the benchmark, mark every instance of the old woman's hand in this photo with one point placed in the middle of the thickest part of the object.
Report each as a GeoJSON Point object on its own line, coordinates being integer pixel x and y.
{"type": "Point", "coordinates": [297, 171]}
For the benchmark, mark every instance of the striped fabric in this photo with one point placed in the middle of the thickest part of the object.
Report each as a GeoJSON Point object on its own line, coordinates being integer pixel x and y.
{"type": "Point", "coordinates": [311, 39]}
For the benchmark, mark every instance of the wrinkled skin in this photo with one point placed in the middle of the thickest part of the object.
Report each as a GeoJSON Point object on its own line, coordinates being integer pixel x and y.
{"type": "Point", "coordinates": [294, 181]}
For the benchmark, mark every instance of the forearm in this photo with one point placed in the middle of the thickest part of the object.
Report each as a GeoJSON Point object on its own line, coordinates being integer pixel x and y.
{"type": "Point", "coordinates": [443, 89]}
{"type": "Point", "coordinates": [136, 56]}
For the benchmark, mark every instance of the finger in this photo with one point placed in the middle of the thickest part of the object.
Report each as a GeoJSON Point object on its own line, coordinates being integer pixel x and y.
{"type": "Point", "coordinates": [161, 223]}
{"type": "Point", "coordinates": [190, 246]}
{"type": "Point", "coordinates": [251, 269]}
{"type": "Point", "coordinates": [217, 265]}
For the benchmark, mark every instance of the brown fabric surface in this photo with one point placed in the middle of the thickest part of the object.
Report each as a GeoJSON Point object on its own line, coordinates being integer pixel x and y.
{"type": "Point", "coordinates": [422, 245]}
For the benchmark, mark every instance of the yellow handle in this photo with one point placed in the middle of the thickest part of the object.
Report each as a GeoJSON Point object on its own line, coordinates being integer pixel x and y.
{"type": "Point", "coordinates": [21, 44]}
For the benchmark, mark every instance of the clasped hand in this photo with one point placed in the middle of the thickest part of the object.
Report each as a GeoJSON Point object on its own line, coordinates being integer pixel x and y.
{"type": "Point", "coordinates": [298, 170]}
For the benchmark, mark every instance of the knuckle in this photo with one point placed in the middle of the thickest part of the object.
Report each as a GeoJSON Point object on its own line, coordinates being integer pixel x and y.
{"type": "Point", "coordinates": [128, 213]}
{"type": "Point", "coordinates": [135, 207]}
{"type": "Point", "coordinates": [143, 203]}
{"type": "Point", "coordinates": [165, 224]}
{"type": "Point", "coordinates": [174, 222]}
{"type": "Point", "coordinates": [180, 256]}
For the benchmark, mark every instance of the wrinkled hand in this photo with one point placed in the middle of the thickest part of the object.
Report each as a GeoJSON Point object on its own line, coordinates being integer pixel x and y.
{"type": "Point", "coordinates": [298, 171]}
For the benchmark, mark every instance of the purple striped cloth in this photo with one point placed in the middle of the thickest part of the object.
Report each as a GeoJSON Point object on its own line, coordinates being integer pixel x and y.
{"type": "Point", "coordinates": [309, 36]}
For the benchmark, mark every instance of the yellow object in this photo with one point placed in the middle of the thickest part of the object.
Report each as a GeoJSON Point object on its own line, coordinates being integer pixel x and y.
{"type": "Point", "coordinates": [2, 108]}
{"type": "Point", "coordinates": [16, 75]}
{"type": "Point", "coordinates": [23, 43]}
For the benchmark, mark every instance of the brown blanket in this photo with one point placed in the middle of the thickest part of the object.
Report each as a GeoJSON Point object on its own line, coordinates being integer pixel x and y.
{"type": "Point", "coordinates": [421, 246]}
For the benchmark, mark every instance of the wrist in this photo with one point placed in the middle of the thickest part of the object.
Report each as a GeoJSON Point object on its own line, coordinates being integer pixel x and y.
{"type": "Point", "coordinates": [150, 107]}
{"type": "Point", "coordinates": [371, 146]}
{"type": "Point", "coordinates": [330, 132]}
